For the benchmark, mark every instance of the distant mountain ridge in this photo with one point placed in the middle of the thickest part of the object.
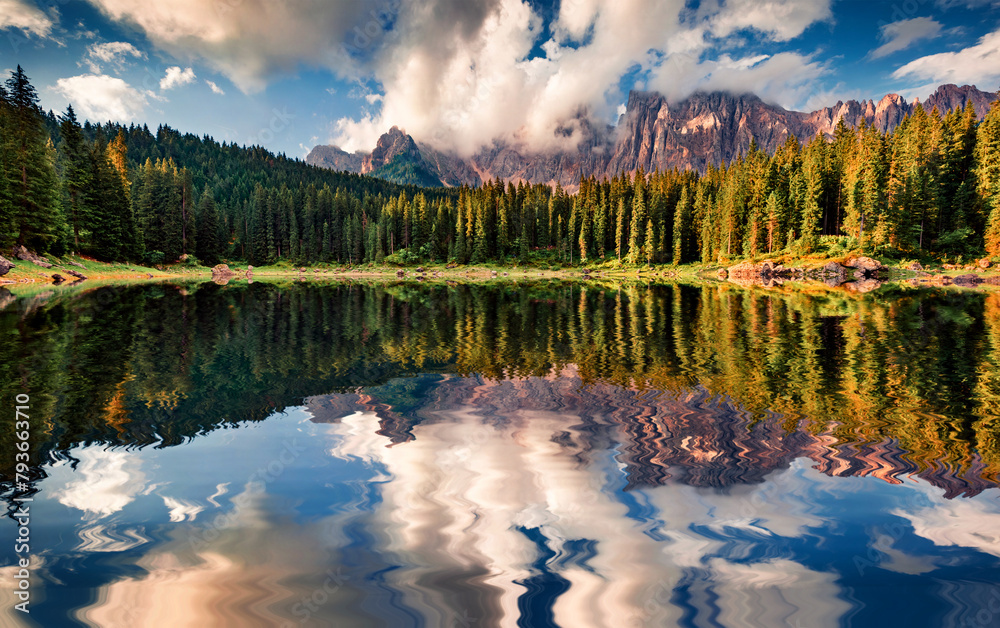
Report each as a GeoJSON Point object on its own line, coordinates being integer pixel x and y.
{"type": "Point", "coordinates": [652, 134]}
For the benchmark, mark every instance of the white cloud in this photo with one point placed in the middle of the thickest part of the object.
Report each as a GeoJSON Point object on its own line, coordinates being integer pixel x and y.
{"type": "Point", "coordinates": [101, 98]}
{"type": "Point", "coordinates": [976, 65]}
{"type": "Point", "coordinates": [108, 481]}
{"type": "Point", "coordinates": [901, 35]}
{"type": "Point", "coordinates": [25, 16]}
{"type": "Point", "coordinates": [459, 85]}
{"type": "Point", "coordinates": [458, 74]}
{"type": "Point", "coordinates": [113, 52]}
{"type": "Point", "coordinates": [786, 78]}
{"type": "Point", "coordinates": [215, 88]}
{"type": "Point", "coordinates": [782, 20]}
{"type": "Point", "coordinates": [176, 77]}
{"type": "Point", "coordinates": [249, 41]}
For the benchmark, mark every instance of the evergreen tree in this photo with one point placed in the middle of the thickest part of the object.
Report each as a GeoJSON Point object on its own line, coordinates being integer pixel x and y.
{"type": "Point", "coordinates": [682, 229]}
{"type": "Point", "coordinates": [209, 244]}
{"type": "Point", "coordinates": [987, 165]}
{"type": "Point", "coordinates": [35, 212]}
{"type": "Point", "coordinates": [637, 231]}
{"type": "Point", "coordinates": [76, 172]}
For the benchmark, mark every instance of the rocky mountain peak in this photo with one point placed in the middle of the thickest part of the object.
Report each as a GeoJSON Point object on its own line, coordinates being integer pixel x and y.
{"type": "Point", "coordinates": [653, 134]}
{"type": "Point", "coordinates": [392, 144]}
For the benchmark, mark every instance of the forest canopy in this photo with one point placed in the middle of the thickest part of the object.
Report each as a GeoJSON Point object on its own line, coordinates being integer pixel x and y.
{"type": "Point", "coordinates": [116, 193]}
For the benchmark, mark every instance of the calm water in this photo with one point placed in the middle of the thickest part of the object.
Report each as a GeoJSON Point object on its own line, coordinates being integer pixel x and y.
{"type": "Point", "coordinates": [540, 455]}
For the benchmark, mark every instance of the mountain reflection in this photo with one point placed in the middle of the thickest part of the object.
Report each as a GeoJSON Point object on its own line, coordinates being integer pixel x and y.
{"type": "Point", "coordinates": [690, 436]}
{"type": "Point", "coordinates": [894, 383]}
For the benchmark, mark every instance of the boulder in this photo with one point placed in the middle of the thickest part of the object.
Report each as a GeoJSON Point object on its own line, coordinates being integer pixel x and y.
{"type": "Point", "coordinates": [915, 266]}
{"type": "Point", "coordinates": [864, 263]}
{"type": "Point", "coordinates": [77, 274]}
{"type": "Point", "coordinates": [748, 270]}
{"type": "Point", "coordinates": [24, 254]}
{"type": "Point", "coordinates": [985, 263]}
{"type": "Point", "coordinates": [57, 278]}
{"type": "Point", "coordinates": [835, 269]}
{"type": "Point", "coordinates": [221, 274]}
{"type": "Point", "coordinates": [5, 266]}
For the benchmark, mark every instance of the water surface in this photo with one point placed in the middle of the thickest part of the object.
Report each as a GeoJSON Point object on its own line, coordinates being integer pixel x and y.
{"type": "Point", "coordinates": [548, 454]}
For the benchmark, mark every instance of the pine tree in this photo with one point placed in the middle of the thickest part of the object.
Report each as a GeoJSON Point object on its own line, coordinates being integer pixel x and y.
{"type": "Point", "coordinates": [620, 229]}
{"type": "Point", "coordinates": [122, 214]}
{"type": "Point", "coordinates": [76, 170]}
{"type": "Point", "coordinates": [461, 247]}
{"type": "Point", "coordinates": [682, 229]}
{"type": "Point", "coordinates": [637, 231]}
{"type": "Point", "coordinates": [35, 210]}
{"type": "Point", "coordinates": [649, 248]}
{"type": "Point", "coordinates": [812, 211]}
{"type": "Point", "coordinates": [987, 160]}
{"type": "Point", "coordinates": [209, 249]}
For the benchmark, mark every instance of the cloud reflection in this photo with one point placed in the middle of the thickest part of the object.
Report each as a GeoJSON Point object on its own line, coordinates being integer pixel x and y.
{"type": "Point", "coordinates": [108, 481]}
{"type": "Point", "coordinates": [506, 514]}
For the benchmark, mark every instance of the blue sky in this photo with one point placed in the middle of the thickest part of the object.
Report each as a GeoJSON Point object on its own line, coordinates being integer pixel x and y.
{"type": "Point", "coordinates": [458, 73]}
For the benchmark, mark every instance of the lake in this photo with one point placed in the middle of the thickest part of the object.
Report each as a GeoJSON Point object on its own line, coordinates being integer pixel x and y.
{"type": "Point", "coordinates": [503, 454]}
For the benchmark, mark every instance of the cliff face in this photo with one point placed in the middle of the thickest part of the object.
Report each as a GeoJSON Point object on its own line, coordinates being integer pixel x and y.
{"type": "Point", "coordinates": [392, 145]}
{"type": "Point", "coordinates": [653, 134]}
{"type": "Point", "coordinates": [335, 159]}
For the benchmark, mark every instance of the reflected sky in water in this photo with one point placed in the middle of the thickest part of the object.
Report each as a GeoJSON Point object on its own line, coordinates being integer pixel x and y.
{"type": "Point", "coordinates": [409, 456]}
{"type": "Point", "coordinates": [487, 517]}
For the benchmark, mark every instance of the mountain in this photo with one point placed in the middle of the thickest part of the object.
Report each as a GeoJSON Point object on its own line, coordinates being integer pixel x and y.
{"type": "Point", "coordinates": [652, 134]}
{"type": "Point", "coordinates": [335, 159]}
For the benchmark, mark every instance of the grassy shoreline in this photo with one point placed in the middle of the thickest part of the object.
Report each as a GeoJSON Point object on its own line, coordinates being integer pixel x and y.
{"type": "Point", "coordinates": [26, 273]}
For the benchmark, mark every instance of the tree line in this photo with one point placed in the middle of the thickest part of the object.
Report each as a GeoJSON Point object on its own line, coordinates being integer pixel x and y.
{"type": "Point", "coordinates": [932, 186]}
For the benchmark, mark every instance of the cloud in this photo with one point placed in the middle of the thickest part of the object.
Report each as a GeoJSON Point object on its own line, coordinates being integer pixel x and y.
{"type": "Point", "coordinates": [22, 15]}
{"type": "Point", "coordinates": [781, 20]}
{"type": "Point", "coordinates": [976, 65]}
{"type": "Point", "coordinates": [787, 78]}
{"type": "Point", "coordinates": [215, 88]}
{"type": "Point", "coordinates": [461, 82]}
{"type": "Point", "coordinates": [901, 35]}
{"type": "Point", "coordinates": [176, 77]}
{"type": "Point", "coordinates": [113, 52]}
{"type": "Point", "coordinates": [100, 97]}
{"type": "Point", "coordinates": [250, 41]}
{"type": "Point", "coordinates": [459, 73]}
{"type": "Point", "coordinates": [108, 481]}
